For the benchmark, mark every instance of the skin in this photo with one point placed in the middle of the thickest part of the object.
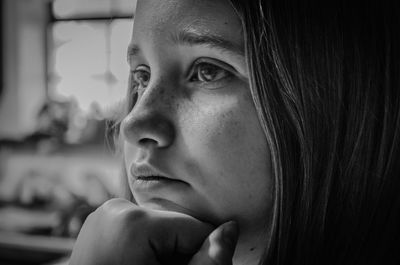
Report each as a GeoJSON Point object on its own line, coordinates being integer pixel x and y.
{"type": "Point", "coordinates": [122, 233]}
{"type": "Point", "coordinates": [194, 122]}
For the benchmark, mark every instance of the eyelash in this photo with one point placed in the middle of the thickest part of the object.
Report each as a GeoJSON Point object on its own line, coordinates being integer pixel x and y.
{"type": "Point", "coordinates": [201, 66]}
{"type": "Point", "coordinates": [135, 81]}
{"type": "Point", "coordinates": [140, 77]}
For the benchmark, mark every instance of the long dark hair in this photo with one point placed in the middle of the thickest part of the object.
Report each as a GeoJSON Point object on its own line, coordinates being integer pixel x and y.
{"type": "Point", "coordinates": [325, 79]}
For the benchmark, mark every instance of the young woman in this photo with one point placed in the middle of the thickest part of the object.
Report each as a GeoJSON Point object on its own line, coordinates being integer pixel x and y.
{"type": "Point", "coordinates": [257, 132]}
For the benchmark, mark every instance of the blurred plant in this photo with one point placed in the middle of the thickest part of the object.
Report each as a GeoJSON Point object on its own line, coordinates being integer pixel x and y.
{"type": "Point", "coordinates": [66, 206]}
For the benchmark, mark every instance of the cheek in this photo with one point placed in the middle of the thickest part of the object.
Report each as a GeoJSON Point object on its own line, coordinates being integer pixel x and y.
{"type": "Point", "coordinates": [222, 131]}
{"type": "Point", "coordinates": [240, 149]}
{"type": "Point", "coordinates": [212, 129]}
{"type": "Point", "coordinates": [226, 142]}
{"type": "Point", "coordinates": [129, 153]}
{"type": "Point", "coordinates": [229, 161]}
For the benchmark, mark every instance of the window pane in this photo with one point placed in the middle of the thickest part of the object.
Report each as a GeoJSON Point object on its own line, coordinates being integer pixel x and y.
{"type": "Point", "coordinates": [89, 61]}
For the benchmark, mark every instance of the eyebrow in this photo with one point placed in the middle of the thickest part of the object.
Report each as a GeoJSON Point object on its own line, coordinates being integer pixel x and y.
{"type": "Point", "coordinates": [193, 38]}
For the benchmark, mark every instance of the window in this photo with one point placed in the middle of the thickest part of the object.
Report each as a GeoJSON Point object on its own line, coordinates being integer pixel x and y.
{"type": "Point", "coordinates": [87, 52]}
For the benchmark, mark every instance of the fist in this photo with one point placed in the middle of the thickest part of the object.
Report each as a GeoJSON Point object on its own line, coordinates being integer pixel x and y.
{"type": "Point", "coordinates": [121, 233]}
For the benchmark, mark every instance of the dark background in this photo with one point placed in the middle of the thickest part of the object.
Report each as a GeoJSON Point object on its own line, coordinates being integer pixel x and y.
{"type": "Point", "coordinates": [1, 49]}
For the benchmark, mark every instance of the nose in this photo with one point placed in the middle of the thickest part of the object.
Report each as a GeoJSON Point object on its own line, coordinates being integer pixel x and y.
{"type": "Point", "coordinates": [147, 125]}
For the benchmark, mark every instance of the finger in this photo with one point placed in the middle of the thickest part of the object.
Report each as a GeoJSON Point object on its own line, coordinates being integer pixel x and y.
{"type": "Point", "coordinates": [219, 247]}
{"type": "Point", "coordinates": [175, 235]}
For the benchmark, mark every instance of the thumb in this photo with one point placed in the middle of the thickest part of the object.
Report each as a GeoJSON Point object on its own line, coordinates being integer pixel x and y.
{"type": "Point", "coordinates": [219, 247]}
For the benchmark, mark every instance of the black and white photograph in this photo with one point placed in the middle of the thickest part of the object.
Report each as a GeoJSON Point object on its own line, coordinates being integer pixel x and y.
{"type": "Point", "coordinates": [199, 132]}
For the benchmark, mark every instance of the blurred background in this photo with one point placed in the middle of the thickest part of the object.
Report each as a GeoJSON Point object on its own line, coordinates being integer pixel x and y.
{"type": "Point", "coordinates": [63, 74]}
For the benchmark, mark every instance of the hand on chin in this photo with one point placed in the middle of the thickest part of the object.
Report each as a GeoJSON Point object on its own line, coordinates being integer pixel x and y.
{"type": "Point", "coordinates": [121, 233]}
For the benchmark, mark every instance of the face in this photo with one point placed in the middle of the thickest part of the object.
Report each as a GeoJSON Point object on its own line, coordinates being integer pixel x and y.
{"type": "Point", "coordinates": [192, 141]}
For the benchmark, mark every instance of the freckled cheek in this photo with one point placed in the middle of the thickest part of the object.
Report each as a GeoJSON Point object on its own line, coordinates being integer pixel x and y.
{"type": "Point", "coordinates": [227, 141]}
{"type": "Point", "coordinates": [215, 133]}
{"type": "Point", "coordinates": [225, 133]}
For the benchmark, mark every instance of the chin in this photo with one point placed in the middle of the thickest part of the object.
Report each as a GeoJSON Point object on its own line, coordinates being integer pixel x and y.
{"type": "Point", "coordinates": [161, 204]}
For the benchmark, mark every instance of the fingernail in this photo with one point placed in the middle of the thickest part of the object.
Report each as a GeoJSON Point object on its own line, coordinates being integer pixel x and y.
{"type": "Point", "coordinates": [230, 233]}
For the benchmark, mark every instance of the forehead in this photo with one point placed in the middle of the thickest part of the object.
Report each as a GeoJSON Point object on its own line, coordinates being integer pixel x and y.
{"type": "Point", "coordinates": [216, 17]}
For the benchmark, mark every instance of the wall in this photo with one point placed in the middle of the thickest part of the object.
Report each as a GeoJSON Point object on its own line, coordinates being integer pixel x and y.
{"type": "Point", "coordinates": [24, 69]}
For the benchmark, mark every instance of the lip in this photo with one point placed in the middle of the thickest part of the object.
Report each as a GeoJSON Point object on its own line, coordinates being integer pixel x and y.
{"type": "Point", "coordinates": [146, 172]}
{"type": "Point", "coordinates": [147, 178]}
{"type": "Point", "coordinates": [154, 186]}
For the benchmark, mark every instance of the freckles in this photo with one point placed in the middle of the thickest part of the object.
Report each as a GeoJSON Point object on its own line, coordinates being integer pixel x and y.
{"type": "Point", "coordinates": [168, 100]}
{"type": "Point", "coordinates": [216, 128]}
{"type": "Point", "coordinates": [231, 125]}
{"type": "Point", "coordinates": [227, 131]}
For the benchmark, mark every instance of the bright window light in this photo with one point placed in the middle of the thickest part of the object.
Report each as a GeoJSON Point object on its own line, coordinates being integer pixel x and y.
{"type": "Point", "coordinates": [88, 62]}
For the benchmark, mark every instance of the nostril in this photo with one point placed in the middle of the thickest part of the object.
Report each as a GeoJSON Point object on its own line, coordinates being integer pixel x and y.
{"type": "Point", "coordinates": [149, 129]}
{"type": "Point", "coordinates": [146, 142]}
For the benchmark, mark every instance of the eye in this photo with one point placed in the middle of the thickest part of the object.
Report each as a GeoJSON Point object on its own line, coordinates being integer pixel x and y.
{"type": "Point", "coordinates": [207, 72]}
{"type": "Point", "coordinates": [141, 76]}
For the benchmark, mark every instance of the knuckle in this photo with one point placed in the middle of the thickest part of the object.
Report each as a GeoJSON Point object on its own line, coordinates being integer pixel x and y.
{"type": "Point", "coordinates": [114, 203]}
{"type": "Point", "coordinates": [114, 207]}
{"type": "Point", "coordinates": [123, 211]}
{"type": "Point", "coordinates": [118, 216]}
{"type": "Point", "coordinates": [136, 214]}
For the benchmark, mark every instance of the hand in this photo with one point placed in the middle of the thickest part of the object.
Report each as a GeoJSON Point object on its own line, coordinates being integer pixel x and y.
{"type": "Point", "coordinates": [219, 247]}
{"type": "Point", "coordinates": [121, 233]}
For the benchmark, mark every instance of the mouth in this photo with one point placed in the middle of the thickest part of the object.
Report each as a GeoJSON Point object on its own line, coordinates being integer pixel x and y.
{"type": "Point", "coordinates": [147, 173]}
{"type": "Point", "coordinates": [146, 178]}
{"type": "Point", "coordinates": [153, 178]}
{"type": "Point", "coordinates": [146, 187]}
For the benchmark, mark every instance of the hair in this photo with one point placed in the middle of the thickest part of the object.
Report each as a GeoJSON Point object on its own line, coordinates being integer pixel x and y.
{"type": "Point", "coordinates": [325, 80]}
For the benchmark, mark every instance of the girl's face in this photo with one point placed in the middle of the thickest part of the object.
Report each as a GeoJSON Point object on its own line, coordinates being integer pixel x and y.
{"type": "Point", "coordinates": [193, 142]}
